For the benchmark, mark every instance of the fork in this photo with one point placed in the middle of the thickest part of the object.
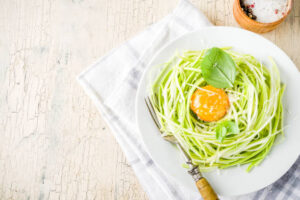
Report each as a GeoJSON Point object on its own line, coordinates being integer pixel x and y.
{"type": "Point", "coordinates": [206, 191]}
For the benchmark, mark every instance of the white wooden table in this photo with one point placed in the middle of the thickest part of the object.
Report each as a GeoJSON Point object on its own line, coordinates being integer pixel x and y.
{"type": "Point", "coordinates": [53, 142]}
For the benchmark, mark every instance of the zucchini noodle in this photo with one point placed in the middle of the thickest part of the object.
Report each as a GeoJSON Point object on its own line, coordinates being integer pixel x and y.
{"type": "Point", "coordinates": [255, 106]}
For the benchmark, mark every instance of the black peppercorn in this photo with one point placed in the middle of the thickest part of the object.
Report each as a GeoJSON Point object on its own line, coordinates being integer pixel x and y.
{"type": "Point", "coordinates": [247, 10]}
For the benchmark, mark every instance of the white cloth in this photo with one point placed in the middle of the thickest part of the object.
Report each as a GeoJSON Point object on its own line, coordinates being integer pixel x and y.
{"type": "Point", "coordinates": [112, 84]}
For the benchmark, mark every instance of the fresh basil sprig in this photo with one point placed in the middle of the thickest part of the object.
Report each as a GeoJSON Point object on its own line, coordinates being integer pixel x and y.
{"type": "Point", "coordinates": [218, 68]}
{"type": "Point", "coordinates": [226, 128]}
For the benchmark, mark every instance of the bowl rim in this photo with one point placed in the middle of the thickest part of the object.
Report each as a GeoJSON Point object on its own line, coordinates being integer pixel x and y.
{"type": "Point", "coordinates": [289, 9]}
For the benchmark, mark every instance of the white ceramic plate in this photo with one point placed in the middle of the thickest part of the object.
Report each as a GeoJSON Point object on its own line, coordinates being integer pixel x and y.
{"type": "Point", "coordinates": [232, 181]}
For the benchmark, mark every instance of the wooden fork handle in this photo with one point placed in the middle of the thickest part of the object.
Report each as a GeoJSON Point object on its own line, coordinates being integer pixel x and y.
{"type": "Point", "coordinates": [206, 191]}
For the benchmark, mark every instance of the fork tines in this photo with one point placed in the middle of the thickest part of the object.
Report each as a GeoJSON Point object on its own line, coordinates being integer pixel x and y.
{"type": "Point", "coordinates": [152, 112]}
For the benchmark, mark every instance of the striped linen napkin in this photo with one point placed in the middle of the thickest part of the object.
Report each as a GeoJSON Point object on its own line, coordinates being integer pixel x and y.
{"type": "Point", "coordinates": [112, 84]}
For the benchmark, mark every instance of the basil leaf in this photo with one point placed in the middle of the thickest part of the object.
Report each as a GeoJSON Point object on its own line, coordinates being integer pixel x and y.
{"type": "Point", "coordinates": [218, 68]}
{"type": "Point", "coordinates": [232, 127]}
{"type": "Point", "coordinates": [226, 128]}
{"type": "Point", "coordinates": [220, 133]}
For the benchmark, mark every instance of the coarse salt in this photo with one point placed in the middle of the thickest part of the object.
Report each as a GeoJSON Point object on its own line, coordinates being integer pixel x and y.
{"type": "Point", "coordinates": [267, 11]}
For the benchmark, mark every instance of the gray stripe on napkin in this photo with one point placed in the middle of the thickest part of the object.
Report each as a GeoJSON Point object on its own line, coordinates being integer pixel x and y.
{"type": "Point", "coordinates": [283, 182]}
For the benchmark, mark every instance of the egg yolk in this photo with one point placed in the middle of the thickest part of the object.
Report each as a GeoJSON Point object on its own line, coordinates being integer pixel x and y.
{"type": "Point", "coordinates": [210, 103]}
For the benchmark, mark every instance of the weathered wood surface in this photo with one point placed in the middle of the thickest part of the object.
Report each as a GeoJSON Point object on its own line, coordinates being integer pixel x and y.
{"type": "Point", "coordinates": [53, 142]}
